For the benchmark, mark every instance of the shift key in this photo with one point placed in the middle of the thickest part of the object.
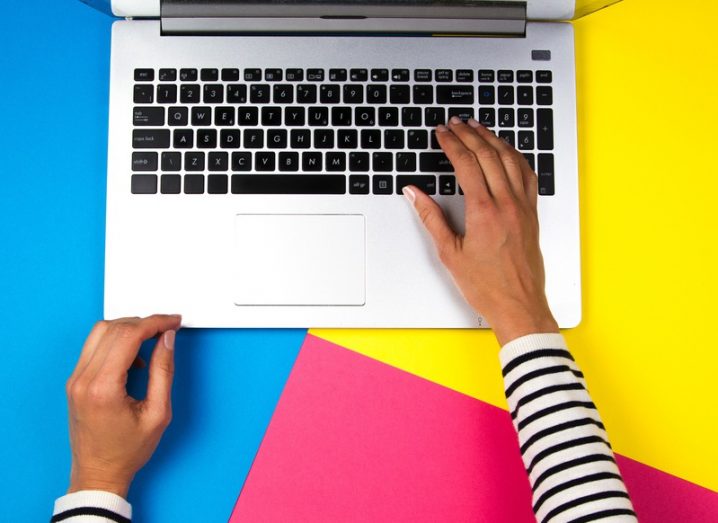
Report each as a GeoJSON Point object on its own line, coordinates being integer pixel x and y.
{"type": "Point", "coordinates": [151, 138]}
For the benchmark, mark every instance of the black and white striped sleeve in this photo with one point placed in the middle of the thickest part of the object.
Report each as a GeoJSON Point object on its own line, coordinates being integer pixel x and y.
{"type": "Point", "coordinates": [564, 445]}
{"type": "Point", "coordinates": [92, 506]}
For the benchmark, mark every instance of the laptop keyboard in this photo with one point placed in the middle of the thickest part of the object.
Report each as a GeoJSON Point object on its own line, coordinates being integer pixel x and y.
{"type": "Point", "coordinates": [317, 131]}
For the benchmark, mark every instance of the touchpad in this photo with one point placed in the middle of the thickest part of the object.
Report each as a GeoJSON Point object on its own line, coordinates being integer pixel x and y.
{"type": "Point", "coordinates": [299, 259]}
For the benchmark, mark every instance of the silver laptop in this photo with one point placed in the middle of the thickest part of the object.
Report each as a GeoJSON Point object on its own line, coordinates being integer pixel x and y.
{"type": "Point", "coordinates": [257, 152]}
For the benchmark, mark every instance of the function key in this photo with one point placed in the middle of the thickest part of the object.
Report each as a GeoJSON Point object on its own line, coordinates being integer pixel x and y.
{"type": "Point", "coordinates": [188, 75]}
{"type": "Point", "coordinates": [358, 75]}
{"type": "Point", "coordinates": [400, 75]}
{"type": "Point", "coordinates": [168, 75]}
{"type": "Point", "coordinates": [506, 76]}
{"type": "Point", "coordinates": [315, 75]}
{"type": "Point", "coordinates": [295, 75]}
{"type": "Point", "coordinates": [209, 75]}
{"type": "Point", "coordinates": [444, 75]}
{"type": "Point", "coordinates": [464, 75]}
{"type": "Point", "coordinates": [380, 75]}
{"type": "Point", "coordinates": [273, 75]}
{"type": "Point", "coordinates": [337, 75]}
{"type": "Point", "coordinates": [252, 75]}
{"type": "Point", "coordinates": [422, 75]}
{"type": "Point", "coordinates": [524, 77]}
{"type": "Point", "coordinates": [230, 75]}
{"type": "Point", "coordinates": [144, 75]}
{"type": "Point", "coordinates": [486, 75]}
{"type": "Point", "coordinates": [543, 77]}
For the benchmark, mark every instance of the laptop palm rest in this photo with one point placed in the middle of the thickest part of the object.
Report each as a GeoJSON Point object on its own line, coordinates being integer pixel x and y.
{"type": "Point", "coordinates": [299, 259]}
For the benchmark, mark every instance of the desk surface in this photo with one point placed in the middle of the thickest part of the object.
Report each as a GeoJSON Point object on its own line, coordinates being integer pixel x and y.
{"type": "Point", "coordinates": [647, 99]}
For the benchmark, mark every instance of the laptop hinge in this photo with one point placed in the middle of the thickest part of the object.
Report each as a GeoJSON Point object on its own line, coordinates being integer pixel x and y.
{"type": "Point", "coordinates": [225, 17]}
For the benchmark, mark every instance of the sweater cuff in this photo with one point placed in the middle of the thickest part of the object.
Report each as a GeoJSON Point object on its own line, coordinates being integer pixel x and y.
{"type": "Point", "coordinates": [95, 499]}
{"type": "Point", "coordinates": [529, 343]}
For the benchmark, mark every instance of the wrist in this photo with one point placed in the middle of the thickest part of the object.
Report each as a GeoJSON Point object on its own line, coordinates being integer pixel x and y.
{"type": "Point", "coordinates": [84, 481]}
{"type": "Point", "coordinates": [516, 323]}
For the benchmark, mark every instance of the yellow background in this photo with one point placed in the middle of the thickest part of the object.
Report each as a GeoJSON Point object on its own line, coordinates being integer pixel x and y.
{"type": "Point", "coordinates": [648, 133]}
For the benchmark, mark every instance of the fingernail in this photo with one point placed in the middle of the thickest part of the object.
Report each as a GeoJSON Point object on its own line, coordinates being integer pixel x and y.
{"type": "Point", "coordinates": [169, 340]}
{"type": "Point", "coordinates": [455, 120]}
{"type": "Point", "coordinates": [441, 128]}
{"type": "Point", "coordinates": [473, 123]}
{"type": "Point", "coordinates": [410, 194]}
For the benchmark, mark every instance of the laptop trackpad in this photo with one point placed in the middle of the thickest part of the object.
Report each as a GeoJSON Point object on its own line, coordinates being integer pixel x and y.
{"type": "Point", "coordinates": [299, 259]}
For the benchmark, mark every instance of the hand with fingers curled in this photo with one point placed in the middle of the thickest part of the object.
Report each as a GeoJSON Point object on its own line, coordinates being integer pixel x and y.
{"type": "Point", "coordinates": [497, 263]}
{"type": "Point", "coordinates": [112, 434]}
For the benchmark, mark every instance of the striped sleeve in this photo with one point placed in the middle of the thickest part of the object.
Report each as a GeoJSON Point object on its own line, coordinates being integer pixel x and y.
{"type": "Point", "coordinates": [92, 506]}
{"type": "Point", "coordinates": [563, 443]}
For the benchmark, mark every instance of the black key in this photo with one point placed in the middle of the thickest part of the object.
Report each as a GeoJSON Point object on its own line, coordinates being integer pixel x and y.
{"type": "Point", "coordinates": [217, 184]}
{"type": "Point", "coordinates": [193, 161]}
{"type": "Point", "coordinates": [283, 93]}
{"type": "Point", "coordinates": [380, 75]}
{"type": "Point", "coordinates": [201, 116]}
{"type": "Point", "coordinates": [183, 139]}
{"type": "Point", "coordinates": [206, 138]}
{"type": "Point", "coordinates": [289, 161]}
{"type": "Point", "coordinates": [424, 182]}
{"type": "Point", "coordinates": [422, 75]}
{"type": "Point", "coordinates": [411, 116]}
{"type": "Point", "coordinates": [336, 162]}
{"type": "Point", "coordinates": [543, 77]}
{"type": "Point", "coordinates": [423, 94]}
{"type": "Point", "coordinates": [248, 116]}
{"type": "Point", "coordinates": [150, 138]}
{"type": "Point", "coordinates": [224, 116]}
{"type": "Point", "coordinates": [509, 137]}
{"type": "Point", "coordinates": [324, 138]}
{"type": "Point", "coordinates": [213, 94]}
{"type": "Point", "coordinates": [389, 116]}
{"type": "Point", "coordinates": [353, 94]}
{"type": "Point", "coordinates": [230, 75]}
{"type": "Point", "coordinates": [545, 173]}
{"type": "Point", "coordinates": [188, 75]}
{"type": "Point", "coordinates": [307, 94]}
{"type": "Point", "coordinates": [337, 75]}
{"type": "Point", "coordinates": [341, 116]}
{"type": "Point", "coordinates": [144, 184]}
{"type": "Point", "coordinates": [252, 75]}
{"type": "Point", "coordinates": [487, 116]}
{"type": "Point", "coordinates": [444, 75]}
{"type": "Point", "coordinates": [382, 162]}
{"type": "Point", "coordinates": [142, 116]}
{"type": "Point", "coordinates": [433, 142]}
{"type": "Point", "coordinates": [294, 116]}
{"type": "Point", "coordinates": [447, 184]}
{"type": "Point", "coordinates": [318, 116]}
{"type": "Point", "coordinates": [406, 162]}
{"type": "Point", "coordinates": [229, 138]}
{"type": "Point", "coordinates": [272, 75]}
{"type": "Point", "coordinates": [417, 139]}
{"type": "Point", "coordinates": [178, 116]}
{"type": "Point", "coordinates": [544, 129]}
{"type": "Point", "coordinates": [544, 95]}
{"type": "Point", "coordinates": [531, 159]}
{"type": "Point", "coordinates": [399, 94]}
{"type": "Point", "coordinates": [259, 93]}
{"type": "Point", "coordinates": [295, 75]}
{"type": "Point", "coordinates": [455, 94]}
{"type": "Point", "coordinates": [434, 116]}
{"type": "Point", "coordinates": [399, 75]}
{"type": "Point", "coordinates": [194, 184]}
{"type": "Point", "coordinates": [506, 95]}
{"type": "Point", "coordinates": [144, 161]}
{"type": "Point", "coordinates": [487, 95]}
{"type": "Point", "coordinates": [359, 184]}
{"type": "Point", "coordinates": [526, 140]}
{"type": "Point", "coordinates": [462, 112]}
{"type": "Point", "coordinates": [506, 117]}
{"type": "Point", "coordinates": [144, 94]}
{"type": "Point", "coordinates": [329, 94]}
{"type": "Point", "coordinates": [171, 161]}
{"type": "Point", "coordinates": [464, 75]}
{"type": "Point", "coordinates": [525, 95]}
{"type": "Point", "coordinates": [189, 94]}
{"type": "Point", "coordinates": [209, 75]}
{"type": "Point", "coordinates": [382, 184]}
{"type": "Point", "coordinates": [486, 76]}
{"type": "Point", "coordinates": [371, 139]}
{"type": "Point", "coordinates": [347, 139]}
{"type": "Point", "coordinates": [393, 139]}
{"type": "Point", "coordinates": [525, 118]}
{"type": "Point", "coordinates": [506, 77]}
{"type": "Point", "coordinates": [289, 184]}
{"type": "Point", "coordinates": [272, 116]}
{"type": "Point", "coordinates": [218, 162]}
{"type": "Point", "coordinates": [315, 75]}
{"type": "Point", "coordinates": [364, 116]}
{"type": "Point", "coordinates": [376, 94]}
{"type": "Point", "coordinates": [237, 94]}
{"type": "Point", "coordinates": [253, 138]}
{"type": "Point", "coordinates": [144, 75]}
{"type": "Point", "coordinates": [435, 162]}
{"type": "Point", "coordinates": [264, 161]}
{"type": "Point", "coordinates": [312, 161]}
{"type": "Point", "coordinates": [168, 75]}
{"type": "Point", "coordinates": [358, 75]}
{"type": "Point", "coordinates": [170, 183]}
{"type": "Point", "coordinates": [359, 162]}
{"type": "Point", "coordinates": [524, 77]}
{"type": "Point", "coordinates": [300, 139]}
{"type": "Point", "coordinates": [242, 161]}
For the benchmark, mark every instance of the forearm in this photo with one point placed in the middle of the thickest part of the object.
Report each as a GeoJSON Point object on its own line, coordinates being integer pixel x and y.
{"type": "Point", "coordinates": [564, 445]}
{"type": "Point", "coordinates": [99, 505]}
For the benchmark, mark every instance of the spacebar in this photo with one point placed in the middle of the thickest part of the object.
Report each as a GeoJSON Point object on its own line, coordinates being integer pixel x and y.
{"type": "Point", "coordinates": [289, 184]}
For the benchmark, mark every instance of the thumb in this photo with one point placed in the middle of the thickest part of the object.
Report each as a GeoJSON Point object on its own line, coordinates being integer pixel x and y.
{"type": "Point", "coordinates": [432, 217]}
{"type": "Point", "coordinates": [162, 369]}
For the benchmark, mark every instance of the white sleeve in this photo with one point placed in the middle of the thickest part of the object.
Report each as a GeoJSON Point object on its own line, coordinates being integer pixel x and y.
{"type": "Point", "coordinates": [92, 506]}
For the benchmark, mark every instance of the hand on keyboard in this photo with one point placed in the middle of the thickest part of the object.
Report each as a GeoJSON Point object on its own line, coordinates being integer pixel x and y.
{"type": "Point", "coordinates": [497, 264]}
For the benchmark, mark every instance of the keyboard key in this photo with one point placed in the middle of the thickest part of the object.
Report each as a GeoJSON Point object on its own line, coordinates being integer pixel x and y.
{"type": "Point", "coordinates": [336, 161]}
{"type": "Point", "coordinates": [259, 93]}
{"type": "Point", "coordinates": [337, 75]}
{"type": "Point", "coordinates": [411, 116]}
{"type": "Point", "coordinates": [194, 184]}
{"type": "Point", "coordinates": [424, 182]}
{"type": "Point", "coordinates": [524, 77]}
{"type": "Point", "coordinates": [189, 94]}
{"type": "Point", "coordinates": [264, 161]}
{"type": "Point", "coordinates": [382, 184]}
{"type": "Point", "coordinates": [144, 184]}
{"type": "Point", "coordinates": [406, 162]}
{"type": "Point", "coordinates": [382, 162]}
{"type": "Point", "coordinates": [358, 184]}
{"type": "Point", "coordinates": [168, 75]}
{"type": "Point", "coordinates": [526, 140]}
{"type": "Point", "coordinates": [318, 116]}
{"type": "Point", "coordinates": [376, 94]}
{"type": "Point", "coordinates": [348, 139]}
{"type": "Point", "coordinates": [294, 75]}
{"type": "Point", "coordinates": [388, 116]}
{"type": "Point", "coordinates": [525, 118]}
{"type": "Point", "coordinates": [545, 173]}
{"type": "Point", "coordinates": [213, 94]}
{"type": "Point", "coordinates": [144, 75]}
{"type": "Point", "coordinates": [272, 75]}
{"type": "Point", "coordinates": [423, 94]}
{"type": "Point", "coordinates": [201, 116]}
{"type": "Point", "coordinates": [434, 116]}
{"type": "Point", "coordinates": [455, 94]}
{"type": "Point", "coordinates": [153, 116]}
{"type": "Point", "coordinates": [324, 138]}
{"type": "Point", "coordinates": [252, 75]}
{"type": "Point", "coordinates": [300, 139]}
{"type": "Point", "coordinates": [380, 75]}
{"type": "Point", "coordinates": [505, 77]}
{"type": "Point", "coordinates": [209, 75]}
{"type": "Point", "coordinates": [435, 162]}
{"type": "Point", "coordinates": [370, 139]}
{"type": "Point", "coordinates": [525, 95]}
{"type": "Point", "coordinates": [393, 139]}
{"type": "Point", "coordinates": [486, 76]}
{"type": "Point", "coordinates": [487, 116]}
{"type": "Point", "coordinates": [289, 161]}
{"type": "Point", "coordinates": [312, 161]}
{"type": "Point", "coordinates": [462, 112]}
{"type": "Point", "coordinates": [544, 95]}
{"type": "Point", "coordinates": [171, 161]}
{"type": "Point", "coordinates": [230, 75]}
{"type": "Point", "coordinates": [170, 183]}
{"type": "Point", "coordinates": [364, 116]}
{"type": "Point", "coordinates": [329, 94]}
{"type": "Point", "coordinates": [422, 75]}
{"type": "Point", "coordinates": [144, 161]}
{"type": "Point", "coordinates": [399, 75]}
{"type": "Point", "coordinates": [218, 162]}
{"type": "Point", "coordinates": [217, 184]}
{"type": "Point", "coordinates": [506, 95]}
{"type": "Point", "coordinates": [183, 139]}
{"type": "Point", "coordinates": [253, 138]}
{"type": "Point", "coordinates": [242, 161]}
{"type": "Point", "coordinates": [283, 93]}
{"type": "Point", "coordinates": [206, 138]}
{"type": "Point", "coordinates": [447, 184]}
{"type": "Point", "coordinates": [543, 77]}
{"type": "Point", "coordinates": [506, 117]}
{"type": "Point", "coordinates": [144, 94]}
{"type": "Point", "coordinates": [151, 138]}
{"type": "Point", "coordinates": [487, 95]}
{"type": "Point", "coordinates": [358, 75]}
{"type": "Point", "coordinates": [444, 75]}
{"type": "Point", "coordinates": [509, 137]}
{"type": "Point", "coordinates": [544, 129]}
{"type": "Point", "coordinates": [194, 161]}
{"type": "Point", "coordinates": [399, 94]}
{"type": "Point", "coordinates": [417, 139]}
{"type": "Point", "coordinates": [359, 161]}
{"type": "Point", "coordinates": [224, 116]}
{"type": "Point", "coordinates": [237, 94]}
{"type": "Point", "coordinates": [247, 116]}
{"type": "Point", "coordinates": [353, 94]}
{"type": "Point", "coordinates": [315, 75]}
{"type": "Point", "coordinates": [271, 116]}
{"type": "Point", "coordinates": [229, 138]}
{"type": "Point", "coordinates": [294, 116]}
{"type": "Point", "coordinates": [289, 184]}
{"type": "Point", "coordinates": [188, 75]}
{"type": "Point", "coordinates": [341, 116]}
{"type": "Point", "coordinates": [464, 75]}
{"type": "Point", "coordinates": [307, 94]}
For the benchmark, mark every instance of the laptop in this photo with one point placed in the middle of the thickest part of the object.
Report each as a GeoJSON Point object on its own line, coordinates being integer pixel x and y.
{"type": "Point", "coordinates": [257, 152]}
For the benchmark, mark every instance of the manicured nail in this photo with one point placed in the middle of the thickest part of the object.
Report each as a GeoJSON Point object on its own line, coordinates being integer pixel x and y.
{"type": "Point", "coordinates": [441, 128]}
{"type": "Point", "coordinates": [169, 340]}
{"type": "Point", "coordinates": [409, 193]}
{"type": "Point", "coordinates": [455, 120]}
{"type": "Point", "coordinates": [473, 123]}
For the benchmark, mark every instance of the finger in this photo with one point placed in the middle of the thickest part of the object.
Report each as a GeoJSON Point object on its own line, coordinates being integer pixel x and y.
{"type": "Point", "coordinates": [89, 348]}
{"type": "Point", "coordinates": [530, 184]}
{"type": "Point", "coordinates": [433, 219]}
{"type": "Point", "coordinates": [466, 167]}
{"type": "Point", "coordinates": [162, 369]}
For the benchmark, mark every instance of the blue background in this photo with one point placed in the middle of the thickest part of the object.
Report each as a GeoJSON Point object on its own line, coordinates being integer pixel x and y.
{"type": "Point", "coordinates": [54, 81]}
